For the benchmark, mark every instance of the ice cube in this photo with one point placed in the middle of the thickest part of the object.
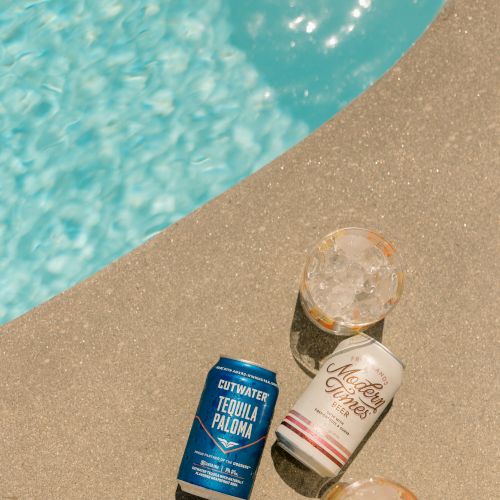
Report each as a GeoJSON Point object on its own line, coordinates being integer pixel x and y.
{"type": "Point", "coordinates": [369, 308]}
{"type": "Point", "coordinates": [313, 267]}
{"type": "Point", "coordinates": [373, 258]}
{"type": "Point", "coordinates": [355, 276]}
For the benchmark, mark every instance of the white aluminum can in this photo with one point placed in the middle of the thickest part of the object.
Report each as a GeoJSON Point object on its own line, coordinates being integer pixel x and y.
{"type": "Point", "coordinates": [341, 404]}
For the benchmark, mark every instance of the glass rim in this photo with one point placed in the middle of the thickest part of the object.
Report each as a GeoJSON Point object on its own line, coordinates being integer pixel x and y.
{"type": "Point", "coordinates": [349, 487]}
{"type": "Point", "coordinates": [393, 253]}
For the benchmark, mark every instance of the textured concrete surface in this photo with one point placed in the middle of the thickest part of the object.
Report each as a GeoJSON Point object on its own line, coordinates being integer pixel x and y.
{"type": "Point", "coordinates": [98, 387]}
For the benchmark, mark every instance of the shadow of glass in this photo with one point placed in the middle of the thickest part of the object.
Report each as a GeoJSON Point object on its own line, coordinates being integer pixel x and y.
{"type": "Point", "coordinates": [303, 480]}
{"type": "Point", "coordinates": [310, 345]}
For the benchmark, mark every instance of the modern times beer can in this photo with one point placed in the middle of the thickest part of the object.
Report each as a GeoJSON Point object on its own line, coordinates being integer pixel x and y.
{"type": "Point", "coordinates": [229, 430]}
{"type": "Point", "coordinates": [341, 404]}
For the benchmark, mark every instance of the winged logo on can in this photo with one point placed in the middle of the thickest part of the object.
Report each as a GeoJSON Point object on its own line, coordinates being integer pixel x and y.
{"type": "Point", "coordinates": [226, 443]}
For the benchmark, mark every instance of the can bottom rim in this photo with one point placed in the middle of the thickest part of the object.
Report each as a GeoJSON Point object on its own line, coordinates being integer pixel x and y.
{"type": "Point", "coordinates": [207, 493]}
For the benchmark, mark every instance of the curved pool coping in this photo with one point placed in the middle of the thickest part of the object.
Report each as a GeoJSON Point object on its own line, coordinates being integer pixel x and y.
{"type": "Point", "coordinates": [99, 385]}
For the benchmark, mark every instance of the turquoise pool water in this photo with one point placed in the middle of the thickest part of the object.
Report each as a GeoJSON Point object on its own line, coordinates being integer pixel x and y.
{"type": "Point", "coordinates": [117, 118]}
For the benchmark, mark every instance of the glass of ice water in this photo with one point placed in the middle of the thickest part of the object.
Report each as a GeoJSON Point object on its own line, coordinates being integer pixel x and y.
{"type": "Point", "coordinates": [352, 278]}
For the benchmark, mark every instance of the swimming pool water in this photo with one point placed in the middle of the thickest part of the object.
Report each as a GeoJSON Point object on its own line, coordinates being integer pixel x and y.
{"type": "Point", "coordinates": [117, 118]}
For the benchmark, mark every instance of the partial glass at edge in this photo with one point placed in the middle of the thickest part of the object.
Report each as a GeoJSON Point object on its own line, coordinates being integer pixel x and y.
{"type": "Point", "coordinates": [336, 324]}
{"type": "Point", "coordinates": [375, 488]}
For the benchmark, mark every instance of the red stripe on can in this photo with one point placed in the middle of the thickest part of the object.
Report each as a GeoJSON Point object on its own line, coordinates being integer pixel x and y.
{"type": "Point", "coordinates": [318, 438]}
{"type": "Point", "coordinates": [312, 443]}
{"type": "Point", "coordinates": [318, 430]}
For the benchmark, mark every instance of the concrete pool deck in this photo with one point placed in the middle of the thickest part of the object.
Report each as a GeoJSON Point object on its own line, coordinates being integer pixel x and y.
{"type": "Point", "coordinates": [98, 387]}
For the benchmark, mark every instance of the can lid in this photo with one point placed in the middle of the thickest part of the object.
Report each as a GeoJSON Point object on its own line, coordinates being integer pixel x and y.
{"type": "Point", "coordinates": [386, 349]}
{"type": "Point", "coordinates": [248, 362]}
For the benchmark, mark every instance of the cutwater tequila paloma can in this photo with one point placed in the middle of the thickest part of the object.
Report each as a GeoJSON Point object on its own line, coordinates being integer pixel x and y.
{"type": "Point", "coordinates": [229, 430]}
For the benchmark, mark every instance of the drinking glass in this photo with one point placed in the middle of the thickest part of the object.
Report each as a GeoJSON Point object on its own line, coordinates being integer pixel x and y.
{"type": "Point", "coordinates": [375, 488]}
{"type": "Point", "coordinates": [352, 278]}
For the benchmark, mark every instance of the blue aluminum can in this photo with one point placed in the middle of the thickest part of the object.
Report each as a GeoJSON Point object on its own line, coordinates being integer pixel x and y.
{"type": "Point", "coordinates": [229, 430]}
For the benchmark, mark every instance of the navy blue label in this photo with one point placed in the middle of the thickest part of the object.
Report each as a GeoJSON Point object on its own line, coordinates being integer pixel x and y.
{"type": "Point", "coordinates": [230, 428]}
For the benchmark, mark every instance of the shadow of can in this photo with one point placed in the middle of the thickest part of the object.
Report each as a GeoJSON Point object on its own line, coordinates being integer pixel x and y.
{"type": "Point", "coordinates": [182, 495]}
{"type": "Point", "coordinates": [296, 475]}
